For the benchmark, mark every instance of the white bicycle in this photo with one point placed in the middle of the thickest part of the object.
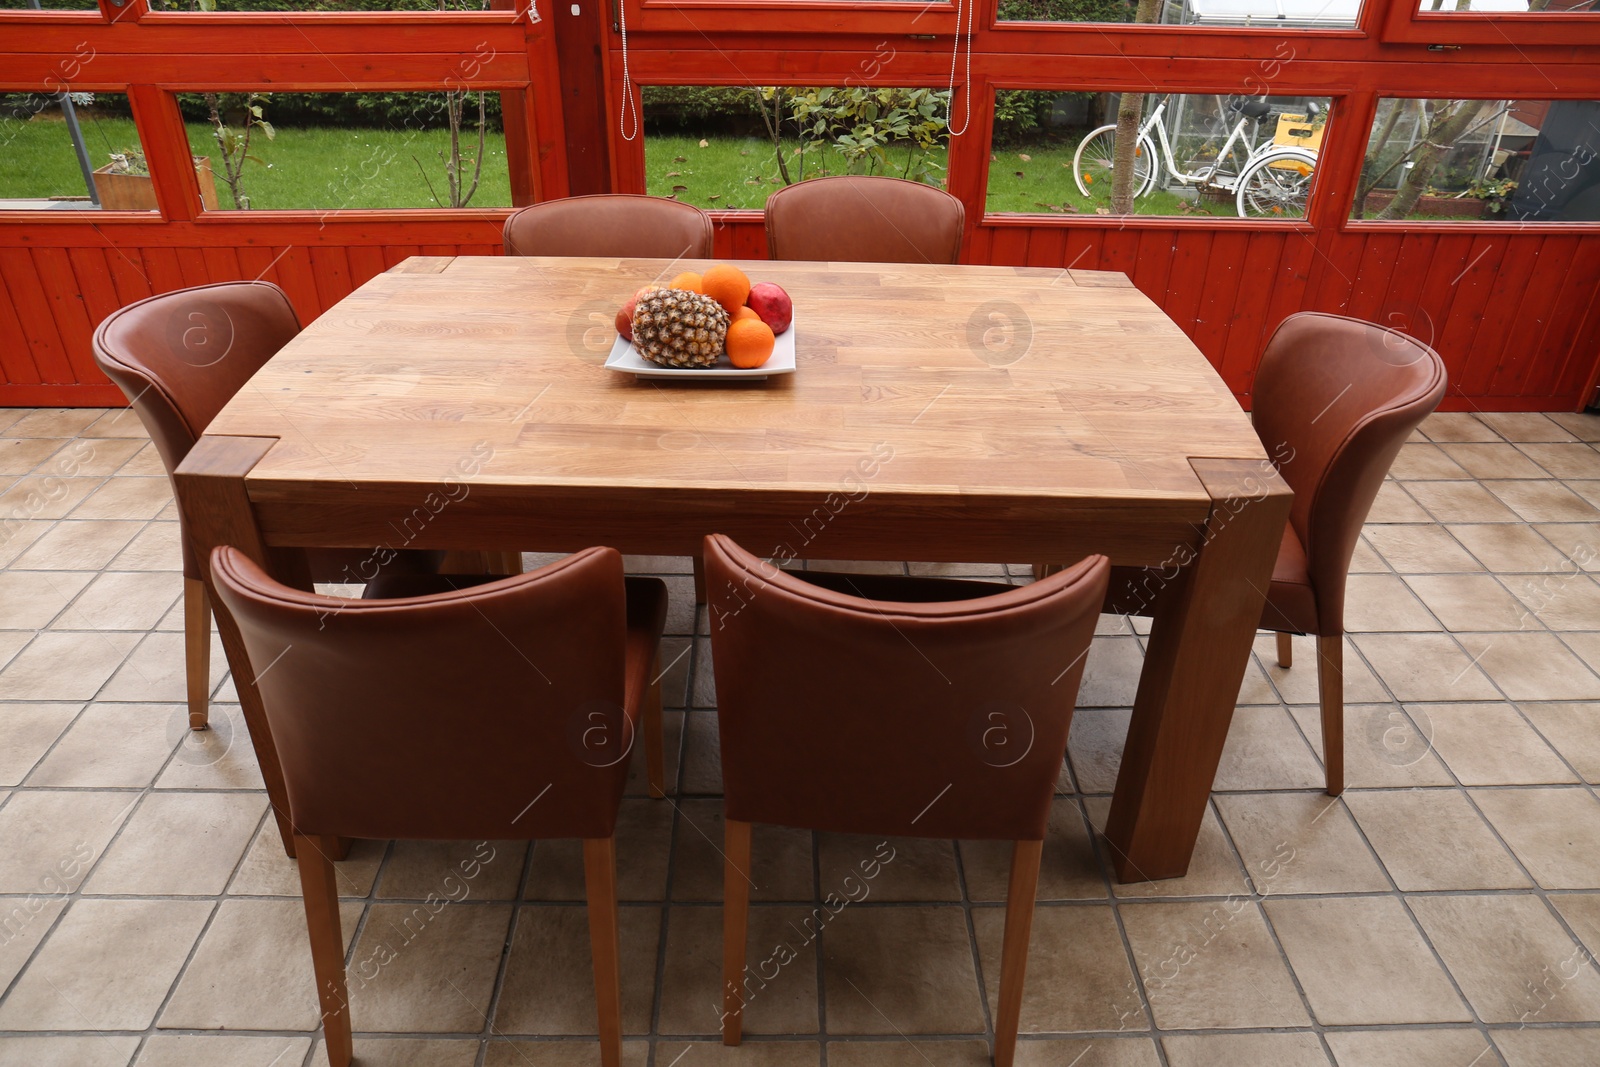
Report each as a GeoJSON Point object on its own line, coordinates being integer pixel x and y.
{"type": "Point", "coordinates": [1268, 180]}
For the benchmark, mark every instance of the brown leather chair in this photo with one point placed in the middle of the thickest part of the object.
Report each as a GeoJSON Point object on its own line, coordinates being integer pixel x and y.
{"type": "Point", "coordinates": [1333, 401]}
{"type": "Point", "coordinates": [500, 711]}
{"type": "Point", "coordinates": [852, 218]}
{"type": "Point", "coordinates": [924, 708]}
{"type": "Point", "coordinates": [610, 224]}
{"type": "Point", "coordinates": [179, 358]}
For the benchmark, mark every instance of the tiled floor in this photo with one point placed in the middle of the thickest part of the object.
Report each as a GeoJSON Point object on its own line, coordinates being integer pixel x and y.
{"type": "Point", "coordinates": [1442, 914]}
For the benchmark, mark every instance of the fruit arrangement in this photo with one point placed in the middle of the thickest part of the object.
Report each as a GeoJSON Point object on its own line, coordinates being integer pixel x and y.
{"type": "Point", "coordinates": [695, 319]}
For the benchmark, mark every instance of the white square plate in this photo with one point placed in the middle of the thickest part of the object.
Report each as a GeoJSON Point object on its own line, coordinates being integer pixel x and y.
{"type": "Point", "coordinates": [624, 357]}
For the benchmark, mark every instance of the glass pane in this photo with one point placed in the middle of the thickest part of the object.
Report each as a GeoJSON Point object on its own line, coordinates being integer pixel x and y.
{"type": "Point", "coordinates": [49, 5]}
{"type": "Point", "coordinates": [312, 6]}
{"type": "Point", "coordinates": [48, 140]}
{"type": "Point", "coordinates": [328, 151]}
{"type": "Point", "coordinates": [1265, 14]}
{"type": "Point", "coordinates": [1514, 7]}
{"type": "Point", "coordinates": [1466, 160]}
{"type": "Point", "coordinates": [730, 147]}
{"type": "Point", "coordinates": [1196, 155]}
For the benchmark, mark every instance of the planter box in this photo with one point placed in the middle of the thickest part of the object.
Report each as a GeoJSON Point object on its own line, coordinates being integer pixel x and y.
{"type": "Point", "coordinates": [1464, 207]}
{"type": "Point", "coordinates": [135, 192]}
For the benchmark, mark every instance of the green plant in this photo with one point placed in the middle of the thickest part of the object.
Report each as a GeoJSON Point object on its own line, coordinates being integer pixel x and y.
{"type": "Point", "coordinates": [128, 161]}
{"type": "Point", "coordinates": [863, 125]}
{"type": "Point", "coordinates": [233, 135]}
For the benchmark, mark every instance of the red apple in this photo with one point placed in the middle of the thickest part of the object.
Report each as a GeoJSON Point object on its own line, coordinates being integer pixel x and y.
{"type": "Point", "coordinates": [772, 304]}
{"type": "Point", "coordinates": [625, 313]}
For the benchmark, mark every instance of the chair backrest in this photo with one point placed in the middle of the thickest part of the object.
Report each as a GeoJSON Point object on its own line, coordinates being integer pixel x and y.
{"type": "Point", "coordinates": [610, 224]}
{"type": "Point", "coordinates": [181, 356]}
{"type": "Point", "coordinates": [469, 714]}
{"type": "Point", "coordinates": [943, 719]}
{"type": "Point", "coordinates": [857, 219]}
{"type": "Point", "coordinates": [1334, 399]}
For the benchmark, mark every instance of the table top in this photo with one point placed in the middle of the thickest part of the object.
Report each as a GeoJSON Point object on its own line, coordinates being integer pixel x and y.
{"type": "Point", "coordinates": [1040, 383]}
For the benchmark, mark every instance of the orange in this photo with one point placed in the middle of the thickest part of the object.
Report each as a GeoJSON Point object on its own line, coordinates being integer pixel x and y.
{"type": "Point", "coordinates": [687, 280]}
{"type": "Point", "coordinates": [749, 343]}
{"type": "Point", "coordinates": [727, 285]}
{"type": "Point", "coordinates": [742, 313]}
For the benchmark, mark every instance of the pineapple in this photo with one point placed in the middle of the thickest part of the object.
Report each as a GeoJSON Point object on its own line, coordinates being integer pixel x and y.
{"type": "Point", "coordinates": [678, 328]}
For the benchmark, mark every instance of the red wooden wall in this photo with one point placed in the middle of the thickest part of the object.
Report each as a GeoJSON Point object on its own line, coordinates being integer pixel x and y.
{"type": "Point", "coordinates": [1515, 310]}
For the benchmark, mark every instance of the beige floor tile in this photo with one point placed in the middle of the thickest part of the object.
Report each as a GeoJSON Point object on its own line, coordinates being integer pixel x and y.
{"type": "Point", "coordinates": [1552, 831]}
{"type": "Point", "coordinates": [780, 855]}
{"type": "Point", "coordinates": [154, 548]}
{"type": "Point", "coordinates": [672, 744]}
{"type": "Point", "coordinates": [46, 496]}
{"type": "Point", "coordinates": [780, 977]}
{"type": "Point", "coordinates": [549, 981]}
{"type": "Point", "coordinates": [1383, 747]}
{"type": "Point", "coordinates": [1578, 540]}
{"type": "Point", "coordinates": [900, 970]}
{"type": "Point", "coordinates": [107, 965]}
{"type": "Point", "coordinates": [892, 869]}
{"type": "Point", "coordinates": [1457, 426]}
{"type": "Point", "coordinates": [1582, 425]}
{"type": "Point", "coordinates": [29, 600]}
{"type": "Point", "coordinates": [122, 600]}
{"type": "Point", "coordinates": [1300, 843]}
{"type": "Point", "coordinates": [453, 870]}
{"type": "Point", "coordinates": [1256, 688]}
{"type": "Point", "coordinates": [155, 670]}
{"type": "Point", "coordinates": [252, 970]}
{"type": "Point", "coordinates": [1574, 730]}
{"type": "Point", "coordinates": [677, 655]}
{"type": "Point", "coordinates": [187, 1050]}
{"type": "Point", "coordinates": [1111, 673]}
{"type": "Point", "coordinates": [658, 564]}
{"type": "Point", "coordinates": [1561, 601]}
{"type": "Point", "coordinates": [1433, 839]}
{"type": "Point", "coordinates": [703, 683]}
{"type": "Point", "coordinates": [95, 457]}
{"type": "Point", "coordinates": [109, 746]}
{"type": "Point", "coordinates": [1420, 549]}
{"type": "Point", "coordinates": [17, 536]}
{"type": "Point", "coordinates": [146, 462]}
{"type": "Point", "coordinates": [1493, 461]}
{"type": "Point", "coordinates": [65, 666]}
{"type": "Point", "coordinates": [1529, 666]}
{"type": "Point", "coordinates": [1392, 504]}
{"type": "Point", "coordinates": [1508, 547]}
{"type": "Point", "coordinates": [1100, 1052]}
{"type": "Point", "coordinates": [1510, 957]}
{"type": "Point", "coordinates": [49, 839]}
{"type": "Point", "coordinates": [127, 498]}
{"type": "Point", "coordinates": [1365, 559]}
{"type": "Point", "coordinates": [1543, 501]}
{"type": "Point", "coordinates": [1426, 666]}
{"type": "Point", "coordinates": [900, 1052]}
{"type": "Point", "coordinates": [1362, 962]}
{"type": "Point", "coordinates": [26, 732]}
{"type": "Point", "coordinates": [1078, 976]}
{"type": "Point", "coordinates": [95, 1050]}
{"type": "Point", "coordinates": [1460, 502]}
{"type": "Point", "coordinates": [680, 605]}
{"type": "Point", "coordinates": [1571, 460]}
{"type": "Point", "coordinates": [179, 844]}
{"type": "Point", "coordinates": [1377, 603]}
{"type": "Point", "coordinates": [1297, 684]}
{"type": "Point", "coordinates": [26, 922]}
{"type": "Point", "coordinates": [1094, 745]}
{"type": "Point", "coordinates": [267, 872]}
{"type": "Point", "coordinates": [1410, 1048]}
{"type": "Point", "coordinates": [1211, 965]}
{"type": "Point", "coordinates": [1068, 869]}
{"type": "Point", "coordinates": [1417, 462]}
{"type": "Point", "coordinates": [1582, 913]}
{"type": "Point", "coordinates": [118, 422]}
{"type": "Point", "coordinates": [1245, 1050]}
{"type": "Point", "coordinates": [1586, 645]}
{"type": "Point", "coordinates": [1469, 602]}
{"type": "Point", "coordinates": [413, 1052]}
{"type": "Point", "coordinates": [424, 968]}
{"type": "Point", "coordinates": [55, 422]}
{"type": "Point", "coordinates": [1491, 744]}
{"type": "Point", "coordinates": [1520, 426]}
{"type": "Point", "coordinates": [20, 457]}
{"type": "Point", "coordinates": [504, 1053]}
{"type": "Point", "coordinates": [644, 842]}
{"type": "Point", "coordinates": [77, 545]}
{"type": "Point", "coordinates": [1213, 869]}
{"type": "Point", "coordinates": [1548, 1048]}
{"type": "Point", "coordinates": [218, 758]}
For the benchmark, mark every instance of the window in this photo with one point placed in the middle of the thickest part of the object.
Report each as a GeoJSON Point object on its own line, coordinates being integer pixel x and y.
{"type": "Point", "coordinates": [1234, 14]}
{"type": "Point", "coordinates": [49, 140]}
{"type": "Point", "coordinates": [1466, 160]}
{"type": "Point", "coordinates": [1196, 155]}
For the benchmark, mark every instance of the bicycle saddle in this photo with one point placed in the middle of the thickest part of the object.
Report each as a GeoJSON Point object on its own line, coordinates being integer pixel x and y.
{"type": "Point", "coordinates": [1255, 109]}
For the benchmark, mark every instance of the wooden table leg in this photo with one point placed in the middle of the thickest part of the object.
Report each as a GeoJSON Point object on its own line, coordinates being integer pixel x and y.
{"type": "Point", "coordinates": [1200, 642]}
{"type": "Point", "coordinates": [216, 511]}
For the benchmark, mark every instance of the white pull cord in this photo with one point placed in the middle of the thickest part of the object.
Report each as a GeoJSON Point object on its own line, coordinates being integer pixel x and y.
{"type": "Point", "coordinates": [966, 88]}
{"type": "Point", "coordinates": [628, 107]}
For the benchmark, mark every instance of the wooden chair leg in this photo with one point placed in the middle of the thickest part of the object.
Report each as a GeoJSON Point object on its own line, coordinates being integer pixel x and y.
{"type": "Point", "coordinates": [1285, 650]}
{"type": "Point", "coordinates": [655, 757]}
{"type": "Point", "coordinates": [510, 563]}
{"type": "Point", "coordinates": [318, 886]}
{"type": "Point", "coordinates": [735, 923]}
{"type": "Point", "coordinates": [197, 651]}
{"type": "Point", "coordinates": [699, 580]}
{"type": "Point", "coordinates": [1014, 948]}
{"type": "Point", "coordinates": [600, 882]}
{"type": "Point", "coordinates": [1330, 689]}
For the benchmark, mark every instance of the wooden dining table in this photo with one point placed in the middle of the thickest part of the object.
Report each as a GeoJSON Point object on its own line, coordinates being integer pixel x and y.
{"type": "Point", "coordinates": [937, 413]}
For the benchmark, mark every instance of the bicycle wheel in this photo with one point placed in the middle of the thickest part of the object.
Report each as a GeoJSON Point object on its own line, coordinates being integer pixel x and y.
{"type": "Point", "coordinates": [1276, 185]}
{"type": "Point", "coordinates": [1093, 163]}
